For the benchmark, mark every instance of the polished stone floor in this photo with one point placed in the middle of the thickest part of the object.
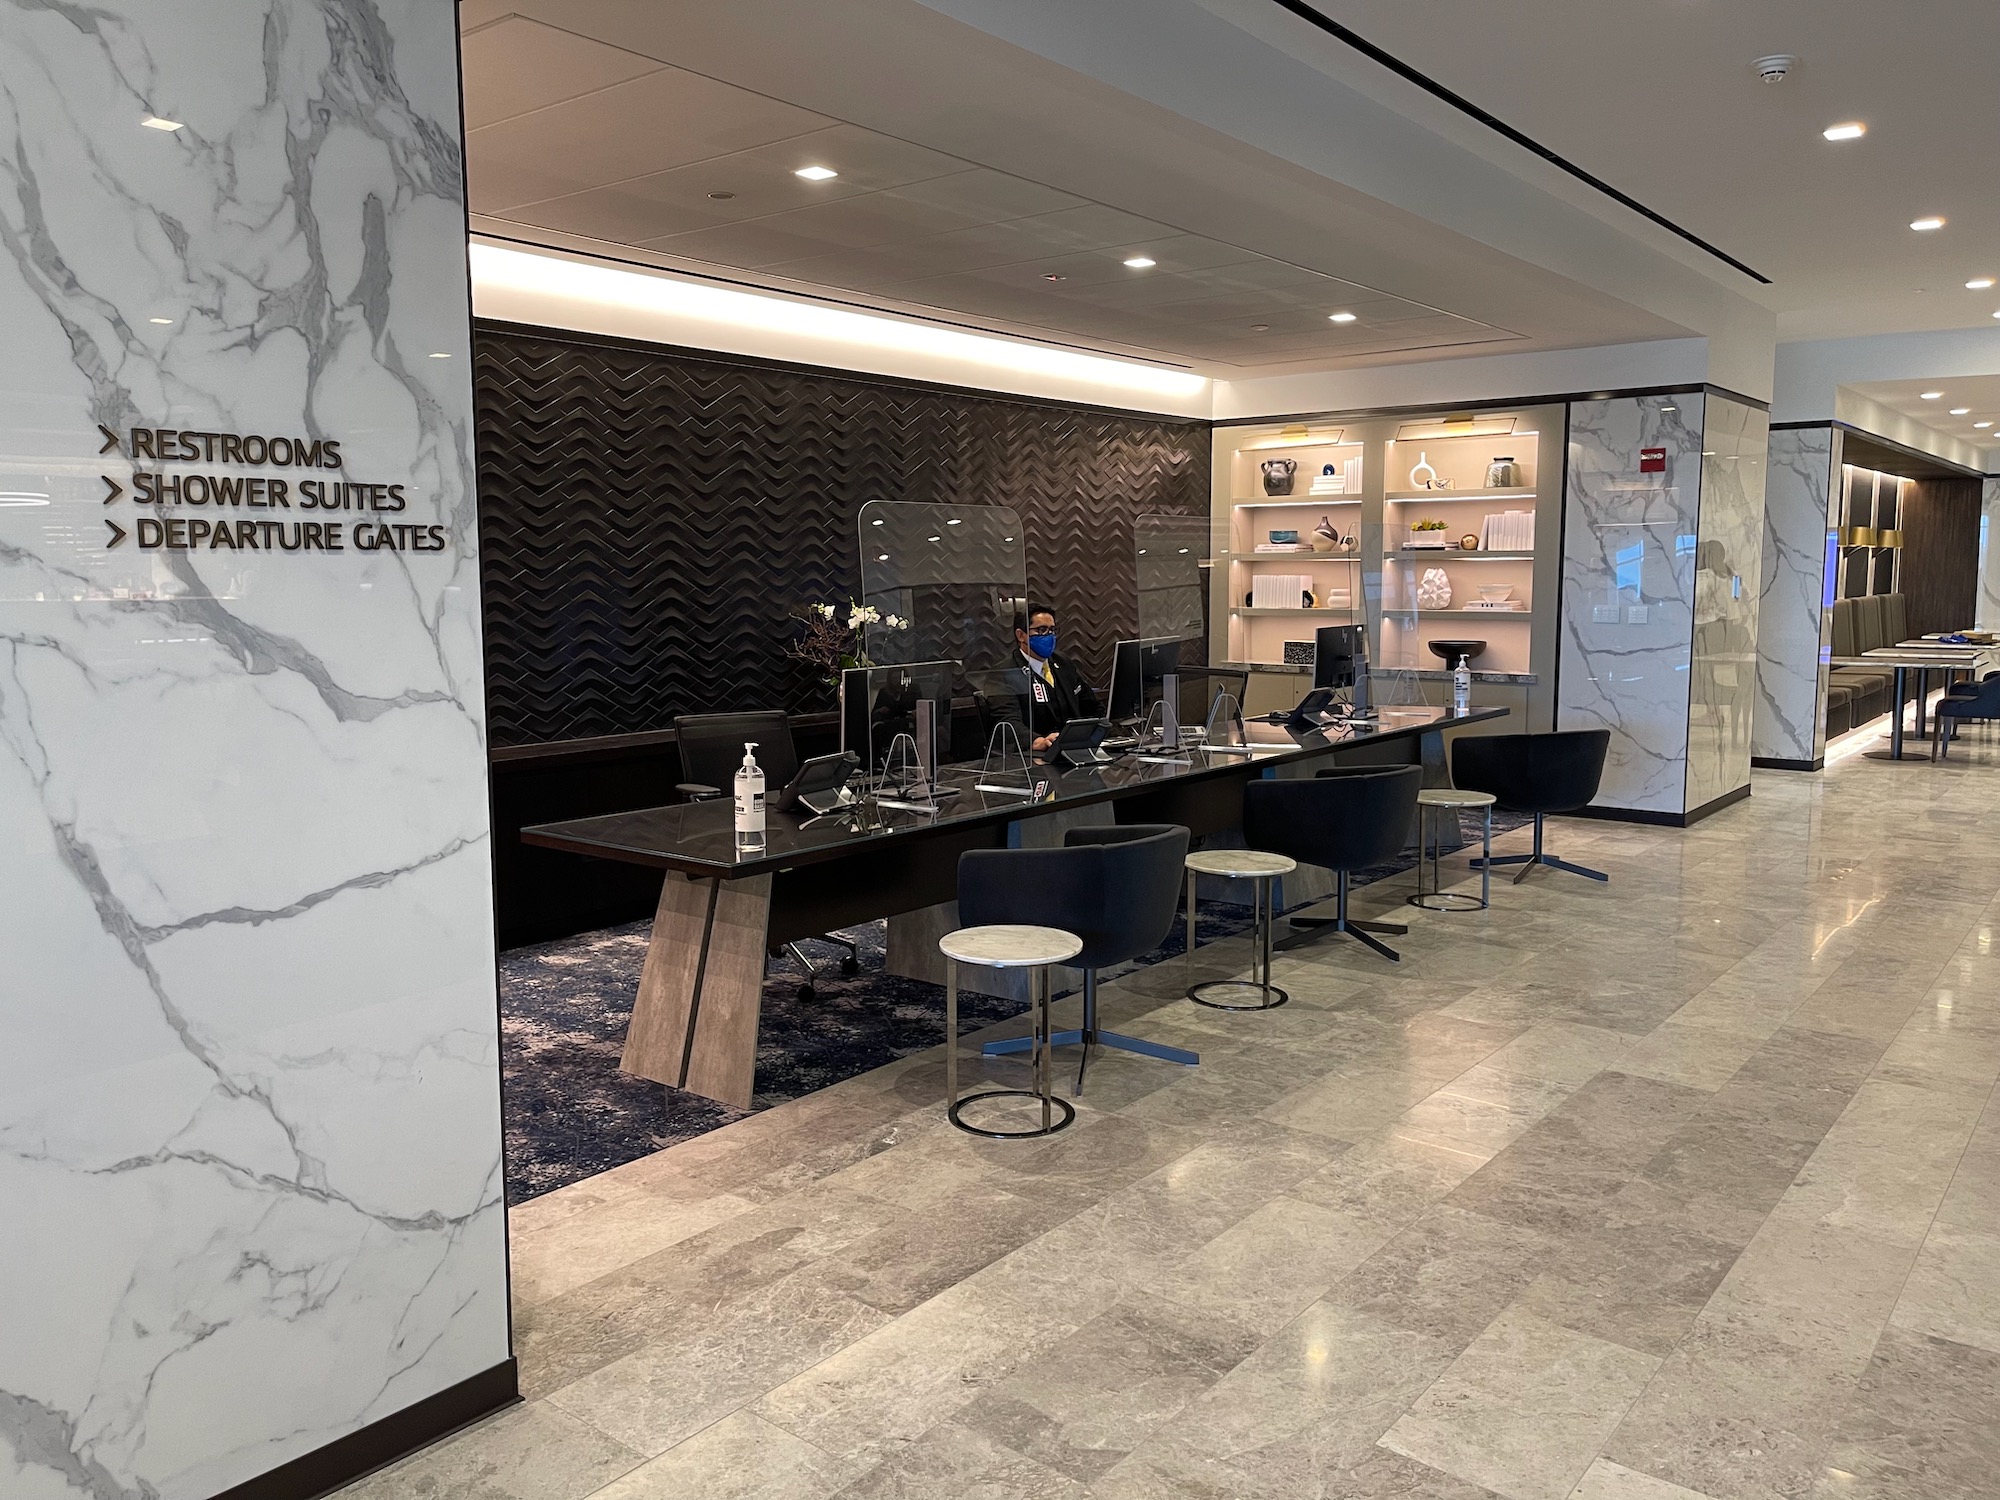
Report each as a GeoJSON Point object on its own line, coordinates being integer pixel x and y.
{"type": "Point", "coordinates": [1686, 1186]}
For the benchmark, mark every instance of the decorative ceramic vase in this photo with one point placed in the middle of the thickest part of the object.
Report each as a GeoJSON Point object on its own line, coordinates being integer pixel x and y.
{"type": "Point", "coordinates": [1503, 474]}
{"type": "Point", "coordinates": [1434, 590]}
{"type": "Point", "coordinates": [1278, 474]}
{"type": "Point", "coordinates": [1423, 466]}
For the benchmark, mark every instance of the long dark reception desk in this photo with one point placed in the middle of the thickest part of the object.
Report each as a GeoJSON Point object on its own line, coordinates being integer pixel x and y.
{"type": "Point", "coordinates": [694, 1022]}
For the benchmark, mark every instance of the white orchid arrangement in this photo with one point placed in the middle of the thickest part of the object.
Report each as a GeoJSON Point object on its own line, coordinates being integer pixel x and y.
{"type": "Point", "coordinates": [832, 639]}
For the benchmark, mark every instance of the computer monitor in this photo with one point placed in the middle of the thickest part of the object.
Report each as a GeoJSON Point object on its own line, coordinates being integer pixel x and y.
{"type": "Point", "coordinates": [1340, 657]}
{"type": "Point", "coordinates": [879, 703]}
{"type": "Point", "coordinates": [1136, 670]}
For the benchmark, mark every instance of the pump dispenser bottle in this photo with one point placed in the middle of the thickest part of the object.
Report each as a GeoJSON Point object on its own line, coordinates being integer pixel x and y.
{"type": "Point", "coordinates": [749, 802]}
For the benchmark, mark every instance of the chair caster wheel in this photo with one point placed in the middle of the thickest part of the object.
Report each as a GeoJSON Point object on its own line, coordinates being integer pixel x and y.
{"type": "Point", "coordinates": [806, 994]}
{"type": "Point", "coordinates": [850, 966]}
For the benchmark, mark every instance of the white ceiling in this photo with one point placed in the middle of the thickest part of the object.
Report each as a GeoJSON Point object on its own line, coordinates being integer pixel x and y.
{"type": "Point", "coordinates": [1657, 97]}
{"type": "Point", "coordinates": [1979, 393]}
{"type": "Point", "coordinates": [576, 138]}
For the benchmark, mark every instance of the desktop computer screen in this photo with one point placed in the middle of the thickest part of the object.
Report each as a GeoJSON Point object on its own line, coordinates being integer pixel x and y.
{"type": "Point", "coordinates": [1340, 657]}
{"type": "Point", "coordinates": [1136, 670]}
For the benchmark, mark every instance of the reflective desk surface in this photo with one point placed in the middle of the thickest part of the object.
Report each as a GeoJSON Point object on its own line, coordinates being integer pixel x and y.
{"type": "Point", "coordinates": [699, 837]}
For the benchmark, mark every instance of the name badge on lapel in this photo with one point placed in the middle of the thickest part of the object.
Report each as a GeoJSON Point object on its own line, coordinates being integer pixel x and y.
{"type": "Point", "coordinates": [1041, 691]}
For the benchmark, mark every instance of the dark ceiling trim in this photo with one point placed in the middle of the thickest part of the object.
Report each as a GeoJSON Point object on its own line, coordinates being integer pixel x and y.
{"type": "Point", "coordinates": [1459, 102]}
{"type": "Point", "coordinates": [1900, 459]}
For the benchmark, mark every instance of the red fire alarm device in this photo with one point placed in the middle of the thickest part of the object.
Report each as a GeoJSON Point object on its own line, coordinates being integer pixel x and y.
{"type": "Point", "coordinates": [1652, 460]}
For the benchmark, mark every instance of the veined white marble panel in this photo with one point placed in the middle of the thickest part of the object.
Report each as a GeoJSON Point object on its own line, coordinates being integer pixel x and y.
{"type": "Point", "coordinates": [1728, 569]}
{"type": "Point", "coordinates": [1793, 619]}
{"type": "Point", "coordinates": [1989, 556]}
{"type": "Point", "coordinates": [1629, 542]}
{"type": "Point", "coordinates": [250, 1188]}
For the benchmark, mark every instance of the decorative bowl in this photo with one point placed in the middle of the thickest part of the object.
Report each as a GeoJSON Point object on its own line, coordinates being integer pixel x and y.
{"type": "Point", "coordinates": [1493, 593]}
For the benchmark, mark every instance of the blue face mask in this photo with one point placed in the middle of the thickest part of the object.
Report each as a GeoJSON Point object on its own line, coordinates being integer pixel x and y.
{"type": "Point", "coordinates": [1042, 643]}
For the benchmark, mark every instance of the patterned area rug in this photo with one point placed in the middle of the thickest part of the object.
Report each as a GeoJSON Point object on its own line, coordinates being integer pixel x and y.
{"type": "Point", "coordinates": [571, 1114]}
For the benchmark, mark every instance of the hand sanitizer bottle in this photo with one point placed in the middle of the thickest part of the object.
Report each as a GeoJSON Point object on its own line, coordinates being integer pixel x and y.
{"type": "Point", "coordinates": [1461, 688]}
{"type": "Point", "coordinates": [749, 803]}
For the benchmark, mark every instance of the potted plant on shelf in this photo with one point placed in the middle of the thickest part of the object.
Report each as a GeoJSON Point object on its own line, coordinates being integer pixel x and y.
{"type": "Point", "coordinates": [831, 639]}
{"type": "Point", "coordinates": [1427, 533]}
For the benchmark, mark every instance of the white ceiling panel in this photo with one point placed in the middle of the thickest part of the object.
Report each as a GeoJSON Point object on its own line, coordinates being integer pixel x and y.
{"type": "Point", "coordinates": [648, 124]}
{"type": "Point", "coordinates": [516, 65]}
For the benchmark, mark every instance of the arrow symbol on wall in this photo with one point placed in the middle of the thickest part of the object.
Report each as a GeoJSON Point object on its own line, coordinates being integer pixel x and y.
{"type": "Point", "coordinates": [118, 533]}
{"type": "Point", "coordinates": [110, 438]}
{"type": "Point", "coordinates": [113, 486]}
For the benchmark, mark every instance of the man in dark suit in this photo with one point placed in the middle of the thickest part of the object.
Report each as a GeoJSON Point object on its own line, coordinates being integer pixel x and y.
{"type": "Point", "coordinates": [1057, 692]}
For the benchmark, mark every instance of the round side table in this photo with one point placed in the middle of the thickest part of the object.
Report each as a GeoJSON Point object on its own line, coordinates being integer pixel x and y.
{"type": "Point", "coordinates": [1006, 947]}
{"type": "Point", "coordinates": [1260, 870]}
{"type": "Point", "coordinates": [1448, 800]}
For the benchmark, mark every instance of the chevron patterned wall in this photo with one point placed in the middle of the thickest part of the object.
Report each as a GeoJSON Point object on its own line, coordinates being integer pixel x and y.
{"type": "Point", "coordinates": [649, 518]}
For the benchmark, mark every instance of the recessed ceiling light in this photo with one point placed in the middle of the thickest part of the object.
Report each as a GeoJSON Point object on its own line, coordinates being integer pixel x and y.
{"type": "Point", "coordinates": [1850, 130]}
{"type": "Point", "coordinates": [1340, 317]}
{"type": "Point", "coordinates": [168, 322]}
{"type": "Point", "coordinates": [440, 356]}
{"type": "Point", "coordinates": [1140, 262]}
{"type": "Point", "coordinates": [1979, 283]}
{"type": "Point", "coordinates": [1925, 225]}
{"type": "Point", "coordinates": [725, 197]}
{"type": "Point", "coordinates": [1961, 411]}
{"type": "Point", "coordinates": [1936, 395]}
{"type": "Point", "coordinates": [815, 174]}
{"type": "Point", "coordinates": [1260, 327]}
{"type": "Point", "coordinates": [154, 122]}
{"type": "Point", "coordinates": [1052, 276]}
{"type": "Point", "coordinates": [1982, 424]}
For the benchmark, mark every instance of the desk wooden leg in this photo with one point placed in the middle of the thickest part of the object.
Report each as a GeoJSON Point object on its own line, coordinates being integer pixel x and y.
{"type": "Point", "coordinates": [694, 1025]}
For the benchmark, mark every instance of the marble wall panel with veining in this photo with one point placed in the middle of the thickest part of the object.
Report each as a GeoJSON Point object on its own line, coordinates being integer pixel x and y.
{"type": "Point", "coordinates": [1629, 542]}
{"type": "Point", "coordinates": [1801, 502]}
{"type": "Point", "coordinates": [1989, 556]}
{"type": "Point", "coordinates": [250, 1189]}
{"type": "Point", "coordinates": [1729, 546]}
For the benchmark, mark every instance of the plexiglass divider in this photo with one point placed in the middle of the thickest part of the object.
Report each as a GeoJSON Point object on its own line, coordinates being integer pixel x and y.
{"type": "Point", "coordinates": [1394, 591]}
{"type": "Point", "coordinates": [952, 575]}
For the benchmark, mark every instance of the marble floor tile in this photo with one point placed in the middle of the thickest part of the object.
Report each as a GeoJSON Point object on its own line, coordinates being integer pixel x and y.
{"type": "Point", "coordinates": [1735, 1414]}
{"type": "Point", "coordinates": [530, 1452]}
{"type": "Point", "coordinates": [1697, 1056]}
{"type": "Point", "coordinates": [1925, 1421]}
{"type": "Point", "coordinates": [1604, 1480]}
{"type": "Point", "coordinates": [1684, 1188]}
{"type": "Point", "coordinates": [550, 1258]}
{"type": "Point", "coordinates": [742, 1457]}
{"type": "Point", "coordinates": [1448, 1274]}
{"type": "Point", "coordinates": [1524, 1409]}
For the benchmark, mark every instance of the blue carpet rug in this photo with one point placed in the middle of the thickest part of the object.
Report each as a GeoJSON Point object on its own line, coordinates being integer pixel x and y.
{"type": "Point", "coordinates": [564, 1006]}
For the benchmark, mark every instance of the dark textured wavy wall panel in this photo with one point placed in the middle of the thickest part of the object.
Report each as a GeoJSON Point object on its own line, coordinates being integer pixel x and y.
{"type": "Point", "coordinates": [649, 518]}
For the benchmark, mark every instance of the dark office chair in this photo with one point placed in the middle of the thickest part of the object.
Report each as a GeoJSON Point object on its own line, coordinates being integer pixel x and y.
{"type": "Point", "coordinates": [1342, 820]}
{"type": "Point", "coordinates": [1117, 888]}
{"type": "Point", "coordinates": [1534, 773]}
{"type": "Point", "coordinates": [1963, 701]}
{"type": "Point", "coordinates": [711, 747]}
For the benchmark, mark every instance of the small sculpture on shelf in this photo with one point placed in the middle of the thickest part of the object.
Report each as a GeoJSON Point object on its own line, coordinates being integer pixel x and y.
{"type": "Point", "coordinates": [1434, 590]}
{"type": "Point", "coordinates": [1326, 536]}
{"type": "Point", "coordinates": [1469, 542]}
{"type": "Point", "coordinates": [1278, 474]}
{"type": "Point", "coordinates": [1423, 467]}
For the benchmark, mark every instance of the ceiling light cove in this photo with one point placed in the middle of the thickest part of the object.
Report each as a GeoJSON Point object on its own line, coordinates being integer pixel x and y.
{"type": "Point", "coordinates": [1927, 224]}
{"type": "Point", "coordinates": [816, 174]}
{"type": "Point", "coordinates": [1340, 317]}
{"type": "Point", "coordinates": [1851, 130]}
{"type": "Point", "coordinates": [1979, 283]}
{"type": "Point", "coordinates": [837, 332]}
{"type": "Point", "coordinates": [1140, 262]}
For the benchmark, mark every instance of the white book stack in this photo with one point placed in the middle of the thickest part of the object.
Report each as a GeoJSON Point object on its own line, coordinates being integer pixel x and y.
{"type": "Point", "coordinates": [1350, 470]}
{"type": "Point", "coordinates": [1508, 531]}
{"type": "Point", "coordinates": [1280, 590]}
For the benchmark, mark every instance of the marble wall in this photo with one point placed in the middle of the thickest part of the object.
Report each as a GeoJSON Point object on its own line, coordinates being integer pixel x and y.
{"type": "Point", "coordinates": [1629, 548]}
{"type": "Point", "coordinates": [1989, 556]}
{"type": "Point", "coordinates": [1729, 547]}
{"type": "Point", "coordinates": [1801, 506]}
{"type": "Point", "coordinates": [250, 1192]}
